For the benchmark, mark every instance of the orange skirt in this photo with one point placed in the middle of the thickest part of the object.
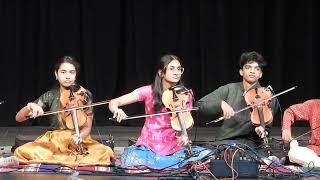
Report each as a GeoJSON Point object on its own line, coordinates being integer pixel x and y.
{"type": "Point", "coordinates": [53, 148]}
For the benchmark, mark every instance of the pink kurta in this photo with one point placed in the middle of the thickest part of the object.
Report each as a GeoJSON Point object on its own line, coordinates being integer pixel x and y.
{"type": "Point", "coordinates": [156, 133]}
{"type": "Point", "coordinates": [307, 111]}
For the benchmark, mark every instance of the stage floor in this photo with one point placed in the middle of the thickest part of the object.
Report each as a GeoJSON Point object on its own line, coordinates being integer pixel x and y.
{"type": "Point", "coordinates": [121, 136]}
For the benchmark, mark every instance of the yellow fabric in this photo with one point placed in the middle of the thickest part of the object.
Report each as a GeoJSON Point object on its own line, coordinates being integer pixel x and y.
{"type": "Point", "coordinates": [52, 148]}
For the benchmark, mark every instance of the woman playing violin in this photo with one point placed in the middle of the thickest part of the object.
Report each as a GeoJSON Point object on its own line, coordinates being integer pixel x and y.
{"type": "Point", "coordinates": [159, 145]}
{"type": "Point", "coordinates": [54, 147]}
{"type": "Point", "coordinates": [228, 98]}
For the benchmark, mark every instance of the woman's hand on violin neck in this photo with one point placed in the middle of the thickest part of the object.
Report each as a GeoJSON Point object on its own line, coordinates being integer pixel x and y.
{"type": "Point", "coordinates": [261, 131]}
{"type": "Point", "coordinates": [286, 135]}
{"type": "Point", "coordinates": [34, 110]}
{"type": "Point", "coordinates": [228, 111]}
{"type": "Point", "coordinates": [183, 140]}
{"type": "Point", "coordinates": [119, 114]}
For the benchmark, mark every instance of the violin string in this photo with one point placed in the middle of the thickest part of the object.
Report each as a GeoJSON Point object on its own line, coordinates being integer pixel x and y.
{"type": "Point", "coordinates": [307, 132]}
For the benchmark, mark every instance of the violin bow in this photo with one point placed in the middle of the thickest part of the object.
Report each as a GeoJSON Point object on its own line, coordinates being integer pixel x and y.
{"type": "Point", "coordinates": [75, 108]}
{"type": "Point", "coordinates": [157, 114]}
{"type": "Point", "coordinates": [253, 105]}
{"type": "Point", "coordinates": [306, 133]}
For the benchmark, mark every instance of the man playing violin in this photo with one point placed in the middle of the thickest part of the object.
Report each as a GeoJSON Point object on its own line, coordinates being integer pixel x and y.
{"type": "Point", "coordinates": [228, 98]}
{"type": "Point", "coordinates": [159, 145]}
{"type": "Point", "coordinates": [54, 146]}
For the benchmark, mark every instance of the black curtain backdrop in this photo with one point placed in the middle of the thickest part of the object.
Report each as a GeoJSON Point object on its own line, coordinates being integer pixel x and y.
{"type": "Point", "coordinates": [118, 43]}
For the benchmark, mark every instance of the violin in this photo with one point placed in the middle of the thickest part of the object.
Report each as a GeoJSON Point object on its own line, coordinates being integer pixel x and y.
{"type": "Point", "coordinates": [166, 98]}
{"type": "Point", "coordinates": [177, 100]}
{"type": "Point", "coordinates": [250, 106]}
{"type": "Point", "coordinates": [261, 113]}
{"type": "Point", "coordinates": [73, 102]}
{"type": "Point", "coordinates": [71, 98]}
{"type": "Point", "coordinates": [75, 119]}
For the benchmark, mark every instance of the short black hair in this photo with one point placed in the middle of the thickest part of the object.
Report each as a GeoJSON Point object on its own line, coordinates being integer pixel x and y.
{"type": "Point", "coordinates": [248, 57]}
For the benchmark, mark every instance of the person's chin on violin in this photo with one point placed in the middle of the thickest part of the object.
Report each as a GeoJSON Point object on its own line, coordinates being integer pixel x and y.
{"type": "Point", "coordinates": [230, 97]}
{"type": "Point", "coordinates": [158, 141]}
{"type": "Point", "coordinates": [53, 146]}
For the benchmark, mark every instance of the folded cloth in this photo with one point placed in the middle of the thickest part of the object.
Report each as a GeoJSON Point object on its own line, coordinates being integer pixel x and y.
{"type": "Point", "coordinates": [143, 157]}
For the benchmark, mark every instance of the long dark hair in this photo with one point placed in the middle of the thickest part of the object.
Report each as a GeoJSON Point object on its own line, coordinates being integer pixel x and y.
{"type": "Point", "coordinates": [157, 88]}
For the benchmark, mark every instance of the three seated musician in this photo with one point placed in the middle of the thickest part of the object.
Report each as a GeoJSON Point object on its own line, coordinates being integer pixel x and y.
{"type": "Point", "coordinates": [159, 145]}
{"type": "Point", "coordinates": [53, 147]}
{"type": "Point", "coordinates": [230, 97]}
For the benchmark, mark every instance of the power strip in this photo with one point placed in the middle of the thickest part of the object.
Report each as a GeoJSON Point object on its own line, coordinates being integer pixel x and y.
{"type": "Point", "coordinates": [244, 168]}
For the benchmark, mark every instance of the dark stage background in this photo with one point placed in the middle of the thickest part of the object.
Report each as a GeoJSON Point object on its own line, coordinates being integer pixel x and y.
{"type": "Point", "coordinates": [118, 43]}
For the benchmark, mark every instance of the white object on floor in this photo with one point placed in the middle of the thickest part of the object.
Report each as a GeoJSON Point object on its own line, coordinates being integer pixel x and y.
{"type": "Point", "coordinates": [9, 161]}
{"type": "Point", "coordinates": [302, 155]}
{"type": "Point", "coordinates": [74, 176]}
